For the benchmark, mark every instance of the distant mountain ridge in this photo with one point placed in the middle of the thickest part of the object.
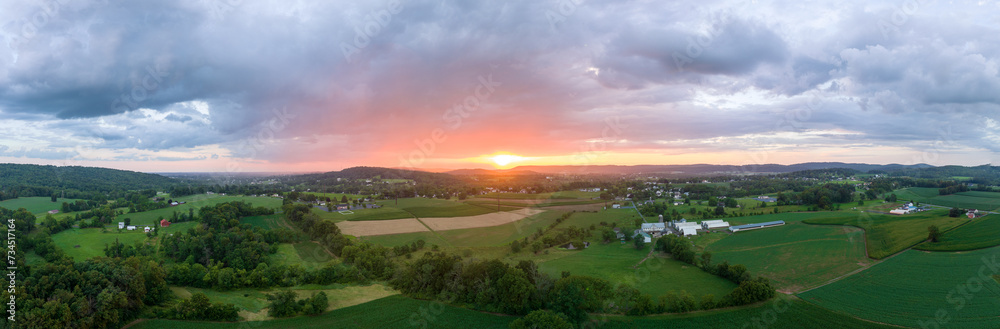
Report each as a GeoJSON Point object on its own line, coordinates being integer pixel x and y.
{"type": "Point", "coordinates": [693, 169]}
{"type": "Point", "coordinates": [79, 178]}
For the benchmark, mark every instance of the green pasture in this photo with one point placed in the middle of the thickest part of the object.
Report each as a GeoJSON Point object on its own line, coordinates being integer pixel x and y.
{"type": "Point", "coordinates": [196, 202]}
{"type": "Point", "coordinates": [889, 234]}
{"type": "Point", "coordinates": [981, 233]}
{"type": "Point", "coordinates": [91, 241]}
{"type": "Point", "coordinates": [35, 205]}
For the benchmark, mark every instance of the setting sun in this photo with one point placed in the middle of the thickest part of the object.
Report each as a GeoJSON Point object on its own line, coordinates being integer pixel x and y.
{"type": "Point", "coordinates": [505, 159]}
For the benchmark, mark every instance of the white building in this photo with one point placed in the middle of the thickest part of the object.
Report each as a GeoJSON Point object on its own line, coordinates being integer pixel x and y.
{"type": "Point", "coordinates": [710, 224]}
{"type": "Point", "coordinates": [653, 227]}
{"type": "Point", "coordinates": [146, 229]}
{"type": "Point", "coordinates": [688, 230]}
{"type": "Point", "coordinates": [121, 225]}
{"type": "Point", "coordinates": [131, 228]}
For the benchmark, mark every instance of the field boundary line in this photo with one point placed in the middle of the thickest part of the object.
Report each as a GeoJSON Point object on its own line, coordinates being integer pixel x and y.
{"type": "Point", "coordinates": [428, 227]}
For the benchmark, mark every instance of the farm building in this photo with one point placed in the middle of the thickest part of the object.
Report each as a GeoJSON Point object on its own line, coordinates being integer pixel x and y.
{"type": "Point", "coordinates": [756, 226]}
{"type": "Point", "coordinates": [145, 229]}
{"type": "Point", "coordinates": [164, 223]}
{"type": "Point", "coordinates": [973, 213]}
{"type": "Point", "coordinates": [687, 230]}
{"type": "Point", "coordinates": [653, 227]}
{"type": "Point", "coordinates": [121, 225]}
{"type": "Point", "coordinates": [899, 211]}
{"type": "Point", "coordinates": [616, 206]}
{"type": "Point", "coordinates": [645, 237]}
{"type": "Point", "coordinates": [717, 223]}
{"type": "Point", "coordinates": [343, 206]}
{"type": "Point", "coordinates": [53, 212]}
{"type": "Point", "coordinates": [766, 199]}
{"type": "Point", "coordinates": [130, 228]}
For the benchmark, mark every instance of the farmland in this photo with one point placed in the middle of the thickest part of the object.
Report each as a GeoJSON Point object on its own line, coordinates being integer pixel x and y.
{"type": "Point", "coordinates": [195, 202]}
{"type": "Point", "coordinates": [86, 243]}
{"type": "Point", "coordinates": [889, 234]}
{"type": "Point", "coordinates": [35, 205]}
{"type": "Point", "coordinates": [914, 288]}
{"type": "Point", "coordinates": [796, 255]}
{"type": "Point", "coordinates": [965, 200]}
{"type": "Point", "coordinates": [980, 233]}
{"type": "Point", "coordinates": [614, 262]}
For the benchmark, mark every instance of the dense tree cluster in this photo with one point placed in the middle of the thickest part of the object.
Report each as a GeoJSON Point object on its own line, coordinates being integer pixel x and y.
{"type": "Point", "coordinates": [283, 304]}
{"type": "Point", "coordinates": [96, 293]}
{"type": "Point", "coordinates": [198, 307]}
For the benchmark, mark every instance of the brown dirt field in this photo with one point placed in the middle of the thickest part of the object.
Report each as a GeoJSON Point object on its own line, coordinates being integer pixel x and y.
{"type": "Point", "coordinates": [491, 219]}
{"type": "Point", "coordinates": [381, 227]}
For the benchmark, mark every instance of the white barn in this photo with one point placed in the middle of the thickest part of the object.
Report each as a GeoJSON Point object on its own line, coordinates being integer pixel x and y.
{"type": "Point", "coordinates": [688, 230]}
{"type": "Point", "coordinates": [710, 224]}
{"type": "Point", "coordinates": [121, 225]}
{"type": "Point", "coordinates": [653, 227]}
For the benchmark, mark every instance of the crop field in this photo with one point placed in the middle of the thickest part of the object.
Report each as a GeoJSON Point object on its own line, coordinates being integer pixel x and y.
{"type": "Point", "coordinates": [85, 243]}
{"type": "Point", "coordinates": [363, 214]}
{"type": "Point", "coordinates": [981, 233]}
{"type": "Point", "coordinates": [485, 220]}
{"type": "Point", "coordinates": [657, 276]}
{"type": "Point", "coordinates": [965, 200]}
{"type": "Point", "coordinates": [915, 288]}
{"type": "Point", "coordinates": [524, 196]}
{"type": "Point", "coordinates": [197, 201]}
{"type": "Point", "coordinates": [392, 240]}
{"type": "Point", "coordinates": [335, 197]}
{"type": "Point", "coordinates": [380, 227]}
{"type": "Point", "coordinates": [889, 234]}
{"type": "Point", "coordinates": [574, 195]}
{"type": "Point", "coordinates": [388, 312]}
{"type": "Point", "coordinates": [266, 222]}
{"type": "Point", "coordinates": [622, 217]}
{"type": "Point", "coordinates": [501, 234]}
{"type": "Point", "coordinates": [36, 205]}
{"type": "Point", "coordinates": [794, 256]}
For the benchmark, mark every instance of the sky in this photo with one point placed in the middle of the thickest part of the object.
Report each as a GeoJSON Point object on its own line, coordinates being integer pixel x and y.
{"type": "Point", "coordinates": [253, 86]}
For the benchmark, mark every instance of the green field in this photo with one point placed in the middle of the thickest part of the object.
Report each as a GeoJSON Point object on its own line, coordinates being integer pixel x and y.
{"type": "Point", "coordinates": [36, 205]}
{"type": "Point", "coordinates": [307, 254]}
{"type": "Point", "coordinates": [389, 312]}
{"type": "Point", "coordinates": [364, 214]}
{"type": "Point", "coordinates": [794, 256]}
{"type": "Point", "coordinates": [657, 276]}
{"type": "Point", "coordinates": [622, 217]}
{"type": "Point", "coordinates": [918, 286]}
{"type": "Point", "coordinates": [91, 241]}
{"type": "Point", "coordinates": [253, 302]}
{"type": "Point", "coordinates": [473, 237]}
{"type": "Point", "coordinates": [965, 200]}
{"type": "Point", "coordinates": [195, 202]}
{"type": "Point", "coordinates": [266, 222]}
{"type": "Point", "coordinates": [889, 234]}
{"type": "Point", "coordinates": [981, 233]}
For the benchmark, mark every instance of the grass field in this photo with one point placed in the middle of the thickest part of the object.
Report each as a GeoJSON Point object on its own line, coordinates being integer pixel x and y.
{"type": "Point", "coordinates": [253, 302]}
{"type": "Point", "coordinates": [307, 254]}
{"type": "Point", "coordinates": [266, 222]}
{"type": "Point", "coordinates": [389, 312]}
{"type": "Point", "coordinates": [981, 233]}
{"type": "Point", "coordinates": [794, 256]}
{"type": "Point", "coordinates": [383, 213]}
{"type": "Point", "coordinates": [889, 234]}
{"type": "Point", "coordinates": [623, 217]}
{"type": "Point", "coordinates": [195, 202]}
{"type": "Point", "coordinates": [36, 205]}
{"type": "Point", "coordinates": [92, 241]}
{"type": "Point", "coordinates": [657, 276]}
{"type": "Point", "coordinates": [916, 287]}
{"type": "Point", "coordinates": [502, 234]}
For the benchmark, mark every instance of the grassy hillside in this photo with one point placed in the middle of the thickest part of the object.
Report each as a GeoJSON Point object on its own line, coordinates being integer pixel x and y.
{"type": "Point", "coordinates": [965, 200]}
{"type": "Point", "coordinates": [917, 287]}
{"type": "Point", "coordinates": [194, 202]}
{"type": "Point", "coordinates": [89, 242]}
{"type": "Point", "coordinates": [79, 178]}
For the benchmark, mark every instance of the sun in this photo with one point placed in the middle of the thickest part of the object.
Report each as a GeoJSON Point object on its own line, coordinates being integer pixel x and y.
{"type": "Point", "coordinates": [503, 160]}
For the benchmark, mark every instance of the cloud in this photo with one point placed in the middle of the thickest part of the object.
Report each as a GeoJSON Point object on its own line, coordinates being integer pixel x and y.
{"type": "Point", "coordinates": [270, 82]}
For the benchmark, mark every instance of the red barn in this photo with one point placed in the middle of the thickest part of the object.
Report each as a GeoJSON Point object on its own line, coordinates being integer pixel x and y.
{"type": "Point", "coordinates": [164, 223]}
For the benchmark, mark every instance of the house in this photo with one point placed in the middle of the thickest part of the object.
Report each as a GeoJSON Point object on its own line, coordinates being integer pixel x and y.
{"type": "Point", "coordinates": [973, 213]}
{"type": "Point", "coordinates": [121, 225]}
{"type": "Point", "coordinates": [748, 227]}
{"type": "Point", "coordinates": [164, 223]}
{"type": "Point", "coordinates": [343, 206]}
{"type": "Point", "coordinates": [765, 198]}
{"type": "Point", "coordinates": [130, 228]}
{"type": "Point", "coordinates": [53, 212]}
{"type": "Point", "coordinates": [653, 227]}
{"type": "Point", "coordinates": [174, 203]}
{"type": "Point", "coordinates": [616, 206]}
{"type": "Point", "coordinates": [146, 229]}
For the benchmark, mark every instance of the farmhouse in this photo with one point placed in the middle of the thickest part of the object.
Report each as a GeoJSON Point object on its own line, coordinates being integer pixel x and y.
{"type": "Point", "coordinates": [121, 225]}
{"type": "Point", "coordinates": [766, 199]}
{"type": "Point", "coordinates": [973, 213]}
{"type": "Point", "coordinates": [748, 227]}
{"type": "Point", "coordinates": [343, 206]}
{"type": "Point", "coordinates": [131, 228]}
{"type": "Point", "coordinates": [710, 224]}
